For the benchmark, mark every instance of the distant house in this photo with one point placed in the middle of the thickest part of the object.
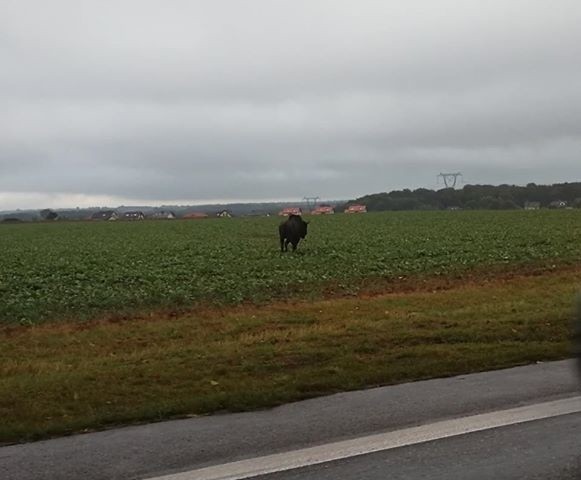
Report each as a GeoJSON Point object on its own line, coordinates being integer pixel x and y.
{"type": "Point", "coordinates": [532, 205]}
{"type": "Point", "coordinates": [163, 215]}
{"type": "Point", "coordinates": [323, 210]}
{"type": "Point", "coordinates": [195, 216]}
{"type": "Point", "coordinates": [224, 214]}
{"type": "Point", "coordinates": [109, 215]}
{"type": "Point", "coordinates": [133, 216]}
{"type": "Point", "coordinates": [558, 204]}
{"type": "Point", "coordinates": [356, 209]}
{"type": "Point", "coordinates": [285, 212]}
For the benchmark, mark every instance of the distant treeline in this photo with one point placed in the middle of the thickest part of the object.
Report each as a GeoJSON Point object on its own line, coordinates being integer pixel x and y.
{"type": "Point", "coordinates": [473, 197]}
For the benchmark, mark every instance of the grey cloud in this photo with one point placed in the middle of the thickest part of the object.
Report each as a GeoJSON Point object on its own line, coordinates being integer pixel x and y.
{"type": "Point", "coordinates": [271, 99]}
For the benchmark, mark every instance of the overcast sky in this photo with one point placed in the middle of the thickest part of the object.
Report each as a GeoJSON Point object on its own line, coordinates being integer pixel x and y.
{"type": "Point", "coordinates": [110, 102]}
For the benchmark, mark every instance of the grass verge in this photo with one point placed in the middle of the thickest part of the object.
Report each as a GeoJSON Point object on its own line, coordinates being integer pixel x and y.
{"type": "Point", "coordinates": [67, 377]}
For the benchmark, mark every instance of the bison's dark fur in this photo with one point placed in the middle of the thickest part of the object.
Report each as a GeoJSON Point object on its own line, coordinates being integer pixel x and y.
{"type": "Point", "coordinates": [291, 231]}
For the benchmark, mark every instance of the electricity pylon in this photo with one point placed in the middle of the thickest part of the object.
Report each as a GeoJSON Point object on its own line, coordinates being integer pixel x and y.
{"type": "Point", "coordinates": [450, 179]}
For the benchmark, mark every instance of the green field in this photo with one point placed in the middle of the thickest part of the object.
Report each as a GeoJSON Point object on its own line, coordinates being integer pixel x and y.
{"type": "Point", "coordinates": [85, 270]}
{"type": "Point", "coordinates": [63, 377]}
{"type": "Point", "coordinates": [105, 324]}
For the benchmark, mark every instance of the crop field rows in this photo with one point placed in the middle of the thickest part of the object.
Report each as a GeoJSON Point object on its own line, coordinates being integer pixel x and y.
{"type": "Point", "coordinates": [85, 270]}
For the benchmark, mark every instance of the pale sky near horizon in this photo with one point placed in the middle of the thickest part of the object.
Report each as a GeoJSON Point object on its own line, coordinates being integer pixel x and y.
{"type": "Point", "coordinates": [173, 101]}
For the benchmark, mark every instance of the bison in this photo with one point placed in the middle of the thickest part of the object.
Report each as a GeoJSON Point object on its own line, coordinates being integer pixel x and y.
{"type": "Point", "coordinates": [291, 231]}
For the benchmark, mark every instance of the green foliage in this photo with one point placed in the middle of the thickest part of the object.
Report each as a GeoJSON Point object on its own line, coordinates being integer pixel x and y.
{"type": "Point", "coordinates": [82, 270]}
{"type": "Point", "coordinates": [474, 197]}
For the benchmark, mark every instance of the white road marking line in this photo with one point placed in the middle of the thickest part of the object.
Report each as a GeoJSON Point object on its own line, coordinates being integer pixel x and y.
{"type": "Point", "coordinates": [379, 442]}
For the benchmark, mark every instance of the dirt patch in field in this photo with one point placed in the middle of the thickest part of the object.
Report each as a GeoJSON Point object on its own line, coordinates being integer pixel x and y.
{"type": "Point", "coordinates": [374, 287]}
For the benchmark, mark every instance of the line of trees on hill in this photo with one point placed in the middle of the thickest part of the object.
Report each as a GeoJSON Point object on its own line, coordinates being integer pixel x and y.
{"type": "Point", "coordinates": [473, 197]}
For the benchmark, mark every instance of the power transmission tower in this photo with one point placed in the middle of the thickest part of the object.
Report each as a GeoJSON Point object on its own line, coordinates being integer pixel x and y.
{"type": "Point", "coordinates": [311, 202]}
{"type": "Point", "coordinates": [450, 179]}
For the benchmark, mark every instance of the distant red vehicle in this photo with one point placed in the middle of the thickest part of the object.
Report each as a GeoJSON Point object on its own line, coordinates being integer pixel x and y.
{"type": "Point", "coordinates": [195, 216]}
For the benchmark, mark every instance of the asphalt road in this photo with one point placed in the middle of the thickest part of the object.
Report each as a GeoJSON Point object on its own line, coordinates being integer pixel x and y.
{"type": "Point", "coordinates": [540, 450]}
{"type": "Point", "coordinates": [157, 449]}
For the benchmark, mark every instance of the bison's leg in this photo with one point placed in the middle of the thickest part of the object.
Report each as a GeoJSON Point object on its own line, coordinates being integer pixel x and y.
{"type": "Point", "coordinates": [287, 241]}
{"type": "Point", "coordinates": [295, 245]}
{"type": "Point", "coordinates": [281, 236]}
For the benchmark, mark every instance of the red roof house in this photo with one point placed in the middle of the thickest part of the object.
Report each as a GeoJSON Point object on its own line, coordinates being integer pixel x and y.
{"type": "Point", "coordinates": [285, 212]}
{"type": "Point", "coordinates": [356, 209]}
{"type": "Point", "coordinates": [323, 210]}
